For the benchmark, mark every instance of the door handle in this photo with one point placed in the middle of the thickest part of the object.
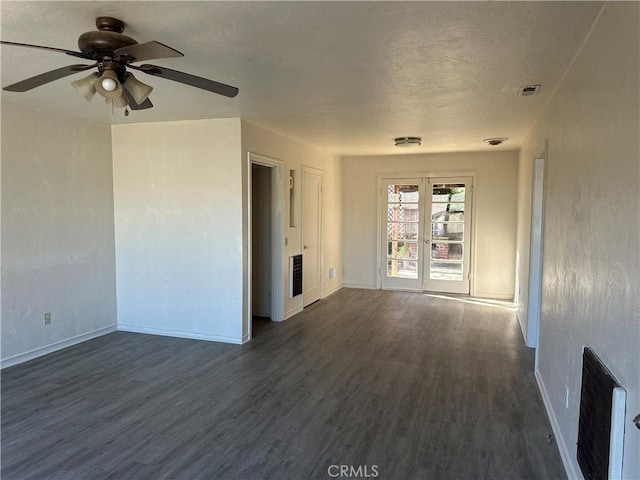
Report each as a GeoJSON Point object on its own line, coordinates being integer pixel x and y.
{"type": "Point", "coordinates": [305, 247]}
{"type": "Point", "coordinates": [427, 242]}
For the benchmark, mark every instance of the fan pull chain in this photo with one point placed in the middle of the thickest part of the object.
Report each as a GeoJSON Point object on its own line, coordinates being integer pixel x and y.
{"type": "Point", "coordinates": [126, 111]}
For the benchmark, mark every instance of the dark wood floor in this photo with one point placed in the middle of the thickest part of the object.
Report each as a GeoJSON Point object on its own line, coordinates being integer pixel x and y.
{"type": "Point", "coordinates": [419, 387]}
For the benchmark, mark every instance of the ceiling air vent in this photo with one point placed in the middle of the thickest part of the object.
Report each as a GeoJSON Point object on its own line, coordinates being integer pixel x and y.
{"type": "Point", "coordinates": [529, 90]}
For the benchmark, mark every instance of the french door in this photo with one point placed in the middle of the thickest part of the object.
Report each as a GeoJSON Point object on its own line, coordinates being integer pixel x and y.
{"type": "Point", "coordinates": [402, 224]}
{"type": "Point", "coordinates": [448, 235]}
{"type": "Point", "coordinates": [426, 237]}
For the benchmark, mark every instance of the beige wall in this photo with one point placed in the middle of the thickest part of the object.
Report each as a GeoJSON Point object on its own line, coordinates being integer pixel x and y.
{"type": "Point", "coordinates": [178, 211]}
{"type": "Point", "coordinates": [294, 154]}
{"type": "Point", "coordinates": [176, 260]}
{"type": "Point", "coordinates": [495, 198]}
{"type": "Point", "coordinates": [57, 232]}
{"type": "Point", "coordinates": [591, 267]}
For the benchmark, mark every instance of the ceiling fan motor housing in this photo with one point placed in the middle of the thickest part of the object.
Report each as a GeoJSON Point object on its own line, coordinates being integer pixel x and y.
{"type": "Point", "coordinates": [108, 38]}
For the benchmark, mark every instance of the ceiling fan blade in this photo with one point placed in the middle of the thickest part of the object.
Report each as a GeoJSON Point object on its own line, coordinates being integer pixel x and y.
{"type": "Point", "coordinates": [135, 106]}
{"type": "Point", "coordinates": [188, 79]}
{"type": "Point", "coordinates": [47, 77]}
{"type": "Point", "coordinates": [148, 51]}
{"type": "Point", "coordinates": [144, 105]}
{"type": "Point", "coordinates": [61, 50]}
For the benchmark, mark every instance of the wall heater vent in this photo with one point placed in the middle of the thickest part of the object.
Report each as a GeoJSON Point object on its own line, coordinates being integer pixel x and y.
{"type": "Point", "coordinates": [529, 90]}
{"type": "Point", "coordinates": [295, 276]}
{"type": "Point", "coordinates": [601, 421]}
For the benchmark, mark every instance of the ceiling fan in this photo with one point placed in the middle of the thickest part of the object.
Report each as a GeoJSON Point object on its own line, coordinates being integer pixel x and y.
{"type": "Point", "coordinates": [114, 53]}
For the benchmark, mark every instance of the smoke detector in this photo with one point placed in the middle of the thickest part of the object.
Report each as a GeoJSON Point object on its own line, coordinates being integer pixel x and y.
{"type": "Point", "coordinates": [529, 90]}
{"type": "Point", "coordinates": [407, 141]}
{"type": "Point", "coordinates": [495, 141]}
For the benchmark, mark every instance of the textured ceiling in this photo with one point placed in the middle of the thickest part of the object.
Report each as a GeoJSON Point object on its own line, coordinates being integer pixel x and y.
{"type": "Point", "coordinates": [344, 76]}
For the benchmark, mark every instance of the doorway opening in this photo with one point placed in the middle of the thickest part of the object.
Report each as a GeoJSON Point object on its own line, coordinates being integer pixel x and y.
{"type": "Point", "coordinates": [266, 244]}
{"type": "Point", "coordinates": [261, 246]}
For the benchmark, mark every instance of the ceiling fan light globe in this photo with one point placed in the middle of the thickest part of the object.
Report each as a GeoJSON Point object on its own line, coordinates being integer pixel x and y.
{"type": "Point", "coordinates": [109, 84]}
{"type": "Point", "coordinates": [87, 86]}
{"type": "Point", "coordinates": [139, 91]}
{"type": "Point", "coordinates": [109, 79]}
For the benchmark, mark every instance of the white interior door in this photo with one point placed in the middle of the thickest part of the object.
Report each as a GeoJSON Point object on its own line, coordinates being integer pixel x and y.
{"type": "Point", "coordinates": [311, 235]}
{"type": "Point", "coordinates": [402, 247]}
{"type": "Point", "coordinates": [448, 235]}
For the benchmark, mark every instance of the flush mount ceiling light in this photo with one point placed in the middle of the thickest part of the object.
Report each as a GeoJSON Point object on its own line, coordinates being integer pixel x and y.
{"type": "Point", "coordinates": [407, 141]}
{"type": "Point", "coordinates": [495, 141]}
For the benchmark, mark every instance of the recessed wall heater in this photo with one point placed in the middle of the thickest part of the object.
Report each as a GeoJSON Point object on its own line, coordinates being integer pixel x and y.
{"type": "Point", "coordinates": [295, 276]}
{"type": "Point", "coordinates": [601, 421]}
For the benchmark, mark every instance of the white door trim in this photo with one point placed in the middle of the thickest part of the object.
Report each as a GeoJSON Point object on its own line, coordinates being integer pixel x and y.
{"type": "Point", "coordinates": [277, 237]}
{"type": "Point", "coordinates": [536, 250]}
{"type": "Point", "coordinates": [320, 173]}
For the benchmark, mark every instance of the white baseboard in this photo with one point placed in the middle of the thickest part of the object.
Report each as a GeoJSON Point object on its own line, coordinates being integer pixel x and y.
{"type": "Point", "coordinates": [494, 296]}
{"type": "Point", "coordinates": [292, 312]}
{"type": "Point", "coordinates": [398, 289]}
{"type": "Point", "coordinates": [54, 347]}
{"type": "Point", "coordinates": [180, 334]}
{"type": "Point", "coordinates": [565, 454]}
{"type": "Point", "coordinates": [522, 328]}
{"type": "Point", "coordinates": [332, 291]}
{"type": "Point", "coordinates": [357, 285]}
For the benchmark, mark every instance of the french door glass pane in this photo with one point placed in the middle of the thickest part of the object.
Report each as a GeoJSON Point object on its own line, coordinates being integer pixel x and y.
{"type": "Point", "coordinates": [447, 231]}
{"type": "Point", "coordinates": [402, 224]}
{"type": "Point", "coordinates": [447, 212]}
{"type": "Point", "coordinates": [402, 193]}
{"type": "Point", "coordinates": [402, 212]}
{"type": "Point", "coordinates": [446, 271]}
{"type": "Point", "coordinates": [402, 268]}
{"type": "Point", "coordinates": [408, 250]}
{"type": "Point", "coordinates": [402, 231]}
{"type": "Point", "coordinates": [449, 192]}
{"type": "Point", "coordinates": [446, 251]}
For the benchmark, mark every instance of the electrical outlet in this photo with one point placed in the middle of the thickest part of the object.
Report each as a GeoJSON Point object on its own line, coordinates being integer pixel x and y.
{"type": "Point", "coordinates": [332, 273]}
{"type": "Point", "coordinates": [47, 318]}
{"type": "Point", "coordinates": [566, 397]}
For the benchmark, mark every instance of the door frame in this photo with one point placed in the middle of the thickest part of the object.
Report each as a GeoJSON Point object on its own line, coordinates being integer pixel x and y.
{"type": "Point", "coordinates": [431, 174]}
{"type": "Point", "coordinates": [277, 236]}
{"type": "Point", "coordinates": [313, 171]}
{"type": "Point", "coordinates": [536, 250]}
